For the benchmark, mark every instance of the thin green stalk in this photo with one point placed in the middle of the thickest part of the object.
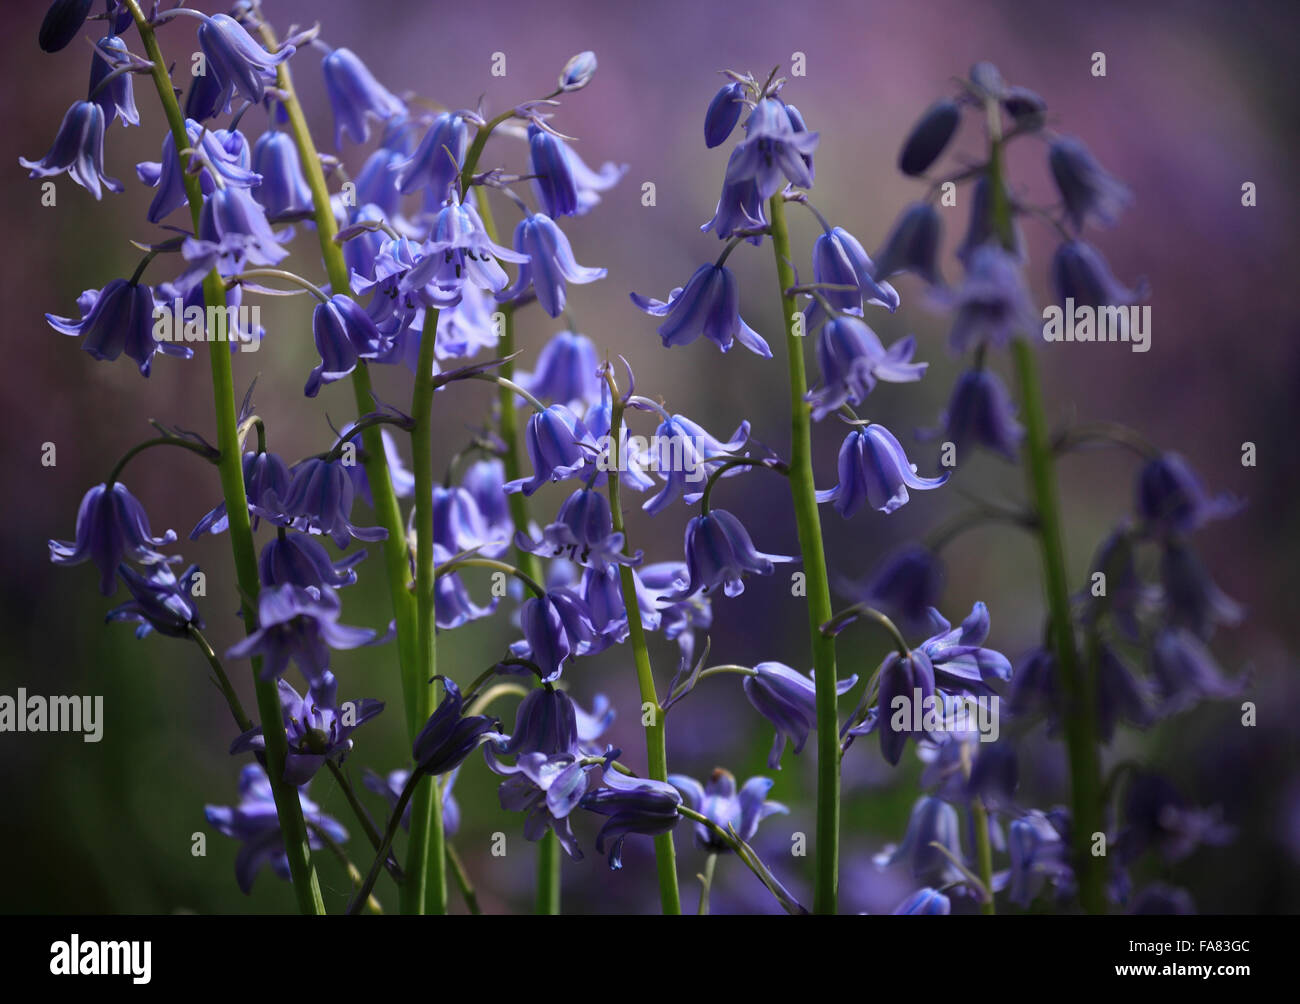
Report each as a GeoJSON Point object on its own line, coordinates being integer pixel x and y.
{"type": "Point", "coordinates": [808, 520]}
{"type": "Point", "coordinates": [425, 889]}
{"type": "Point", "coordinates": [983, 854]}
{"type": "Point", "coordinates": [655, 732]}
{"type": "Point", "coordinates": [1076, 683]}
{"type": "Point", "coordinates": [706, 882]}
{"type": "Point", "coordinates": [547, 902]}
{"type": "Point", "coordinates": [302, 871]}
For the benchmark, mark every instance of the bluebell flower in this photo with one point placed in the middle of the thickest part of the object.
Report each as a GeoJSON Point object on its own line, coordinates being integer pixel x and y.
{"type": "Point", "coordinates": [1157, 817]}
{"type": "Point", "coordinates": [994, 774]}
{"type": "Point", "coordinates": [961, 664]}
{"type": "Point", "coordinates": [256, 824]}
{"type": "Point", "coordinates": [929, 137]}
{"type": "Point", "coordinates": [839, 260]}
{"type": "Point", "coordinates": [159, 601]}
{"type": "Point", "coordinates": [566, 371]}
{"type": "Point", "coordinates": [726, 806]}
{"type": "Point", "coordinates": [1172, 499]}
{"type": "Point", "coordinates": [739, 209]}
{"type": "Point", "coordinates": [981, 413]}
{"type": "Point", "coordinates": [458, 525]}
{"type": "Point", "coordinates": [449, 736]}
{"type": "Point", "coordinates": [602, 592]}
{"type": "Point", "coordinates": [468, 327]}
{"type": "Point", "coordinates": [266, 483]}
{"type": "Point", "coordinates": [583, 531]}
{"type": "Point", "coordinates": [912, 245]}
{"type": "Point", "coordinates": [925, 902]}
{"type": "Point", "coordinates": [633, 805]}
{"type": "Point", "coordinates": [873, 469]}
{"type": "Point", "coordinates": [62, 22]}
{"type": "Point", "coordinates": [1026, 108]}
{"type": "Point", "coordinates": [904, 682]}
{"type": "Point", "coordinates": [319, 500]}
{"type": "Point", "coordinates": [1185, 672]}
{"type": "Point", "coordinates": [598, 419]}
{"type": "Point", "coordinates": [390, 786]}
{"type": "Point", "coordinates": [1036, 688]}
{"type": "Point", "coordinates": [852, 359]}
{"type": "Point", "coordinates": [283, 188]}
{"type": "Point", "coordinates": [220, 155]}
{"type": "Point", "coordinates": [111, 525]}
{"type": "Point", "coordinates": [1039, 855]}
{"type": "Point", "coordinates": [1191, 598]}
{"type": "Point", "coordinates": [709, 305]}
{"type": "Point", "coordinates": [201, 101]}
{"type": "Point", "coordinates": [299, 559]}
{"type": "Point", "coordinates": [692, 454]}
{"type": "Point", "coordinates": [437, 161]}
{"type": "Point", "coordinates": [354, 95]}
{"type": "Point", "coordinates": [787, 699]}
{"type": "Point", "coordinates": [317, 727]}
{"type": "Point", "coordinates": [453, 606]}
{"type": "Point", "coordinates": [1121, 697]}
{"type": "Point", "coordinates": [904, 585]}
{"type": "Point", "coordinates": [299, 625]}
{"type": "Point", "coordinates": [78, 149]}
{"type": "Point", "coordinates": [559, 446]}
{"type": "Point", "coordinates": [578, 71]}
{"type": "Point", "coordinates": [775, 149]}
{"type": "Point", "coordinates": [546, 721]}
{"type": "Point", "coordinates": [377, 194]}
{"type": "Point", "coordinates": [485, 481]}
{"type": "Point", "coordinates": [983, 229]}
{"type": "Point", "coordinates": [933, 821]}
{"type": "Point", "coordinates": [556, 626]}
{"type": "Point", "coordinates": [1087, 190]}
{"type": "Point", "coordinates": [992, 303]}
{"type": "Point", "coordinates": [1125, 597]}
{"type": "Point", "coordinates": [118, 319]}
{"type": "Point", "coordinates": [590, 183]}
{"type": "Point", "coordinates": [552, 178]}
{"type": "Point", "coordinates": [117, 97]}
{"type": "Point", "coordinates": [718, 554]}
{"type": "Point", "coordinates": [678, 619]}
{"type": "Point", "coordinates": [457, 252]}
{"type": "Point", "coordinates": [237, 60]}
{"type": "Point", "coordinates": [344, 333]}
{"type": "Point", "coordinates": [548, 264]}
{"type": "Point", "coordinates": [1080, 273]}
{"type": "Point", "coordinates": [724, 112]}
{"type": "Point", "coordinates": [233, 232]}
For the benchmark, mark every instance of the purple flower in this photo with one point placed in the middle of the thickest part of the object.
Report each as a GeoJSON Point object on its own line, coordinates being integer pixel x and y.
{"type": "Point", "coordinates": [1080, 273]}
{"type": "Point", "coordinates": [458, 525]}
{"type": "Point", "coordinates": [266, 483]}
{"type": "Point", "coordinates": [691, 454]}
{"type": "Point", "coordinates": [925, 902]}
{"type": "Point", "coordinates": [740, 208]}
{"type": "Point", "coordinates": [344, 333]}
{"type": "Point", "coordinates": [221, 156]}
{"type": "Point", "coordinates": [775, 149]}
{"type": "Point", "coordinates": [238, 62]}
{"type": "Point", "coordinates": [159, 601]}
{"type": "Point", "coordinates": [552, 178]}
{"type": "Point", "coordinates": [559, 446]}
{"type": "Point", "coordinates": [633, 805]}
{"type": "Point", "coordinates": [436, 163]}
{"type": "Point", "coordinates": [548, 264]}
{"type": "Point", "coordinates": [78, 149]}
{"type": "Point", "coordinates": [718, 554]}
{"type": "Point", "coordinates": [1172, 499]}
{"type": "Point", "coordinates": [300, 625]}
{"type": "Point", "coordinates": [1085, 187]}
{"type": "Point", "coordinates": [1039, 855]}
{"type": "Point", "coordinates": [578, 71]}
{"type": "Point", "coordinates": [566, 371]}
{"type": "Point", "coordinates": [556, 626]}
{"type": "Point", "coordinates": [709, 305]}
{"type": "Point", "coordinates": [905, 584]}
{"type": "Point", "coordinates": [1158, 817]}
{"type": "Point", "coordinates": [390, 787]}
{"type": "Point", "coordinates": [981, 413]}
{"type": "Point", "coordinates": [1120, 696]}
{"type": "Point", "coordinates": [983, 228]}
{"type": "Point", "coordinates": [961, 665]}
{"type": "Point", "coordinates": [317, 727]}
{"type": "Point", "coordinates": [117, 97]}
{"type": "Point", "coordinates": [787, 699]}
{"type": "Point", "coordinates": [719, 800]}
{"type": "Point", "coordinates": [61, 23]}
{"type": "Point", "coordinates": [111, 525]}
{"type": "Point", "coordinates": [453, 606]}
{"type": "Point", "coordinates": [912, 245]}
{"type": "Point", "coordinates": [724, 112]}
{"type": "Point", "coordinates": [1125, 595]}
{"type": "Point", "coordinates": [904, 682]}
{"type": "Point", "coordinates": [458, 251]}
{"type": "Point", "coordinates": [283, 188]}
{"type": "Point", "coordinates": [933, 821]}
{"type": "Point", "coordinates": [233, 231]}
{"type": "Point", "coordinates": [874, 469]}
{"type": "Point", "coordinates": [992, 303]}
{"type": "Point", "coordinates": [1186, 672]}
{"type": "Point", "coordinates": [118, 318]}
{"type": "Point", "coordinates": [319, 500]}
{"type": "Point", "coordinates": [299, 559]}
{"type": "Point", "coordinates": [1035, 688]}
{"type": "Point", "coordinates": [839, 260]}
{"type": "Point", "coordinates": [852, 359]}
{"type": "Point", "coordinates": [929, 137]}
{"type": "Point", "coordinates": [1192, 600]}
{"type": "Point", "coordinates": [602, 592]}
{"type": "Point", "coordinates": [583, 532]}
{"type": "Point", "coordinates": [355, 94]}
{"type": "Point", "coordinates": [449, 736]}
{"type": "Point", "coordinates": [256, 824]}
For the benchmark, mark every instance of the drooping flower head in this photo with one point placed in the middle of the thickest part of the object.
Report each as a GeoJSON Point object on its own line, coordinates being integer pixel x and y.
{"type": "Point", "coordinates": [355, 96]}
{"type": "Point", "coordinates": [633, 805]}
{"type": "Point", "coordinates": [159, 600]}
{"type": "Point", "coordinates": [709, 305]}
{"type": "Point", "coordinates": [873, 469]}
{"type": "Point", "coordinates": [548, 264]}
{"type": "Point", "coordinates": [437, 161]}
{"type": "Point", "coordinates": [729, 808]}
{"type": "Point", "coordinates": [78, 149]}
{"type": "Point", "coordinates": [1087, 190]}
{"type": "Point", "coordinates": [852, 360]}
{"type": "Point", "coordinates": [787, 699]}
{"type": "Point", "coordinates": [719, 552]}
{"type": "Point", "coordinates": [238, 62]}
{"type": "Point", "coordinates": [449, 736]}
{"type": "Point", "coordinates": [111, 525]}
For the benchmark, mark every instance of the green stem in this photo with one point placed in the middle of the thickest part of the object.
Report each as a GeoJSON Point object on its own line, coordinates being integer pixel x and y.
{"type": "Point", "coordinates": [983, 854]}
{"type": "Point", "coordinates": [809, 524]}
{"type": "Point", "coordinates": [1076, 685]}
{"type": "Point", "coordinates": [706, 882]}
{"type": "Point", "coordinates": [655, 732]}
{"type": "Point", "coordinates": [302, 871]}
{"type": "Point", "coordinates": [426, 884]}
{"type": "Point", "coordinates": [223, 681]}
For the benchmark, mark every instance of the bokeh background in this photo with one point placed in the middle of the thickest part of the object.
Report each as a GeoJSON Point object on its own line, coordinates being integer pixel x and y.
{"type": "Point", "coordinates": [1198, 98]}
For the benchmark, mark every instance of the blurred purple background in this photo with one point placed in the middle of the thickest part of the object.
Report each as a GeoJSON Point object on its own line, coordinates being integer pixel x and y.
{"type": "Point", "coordinates": [1198, 99]}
